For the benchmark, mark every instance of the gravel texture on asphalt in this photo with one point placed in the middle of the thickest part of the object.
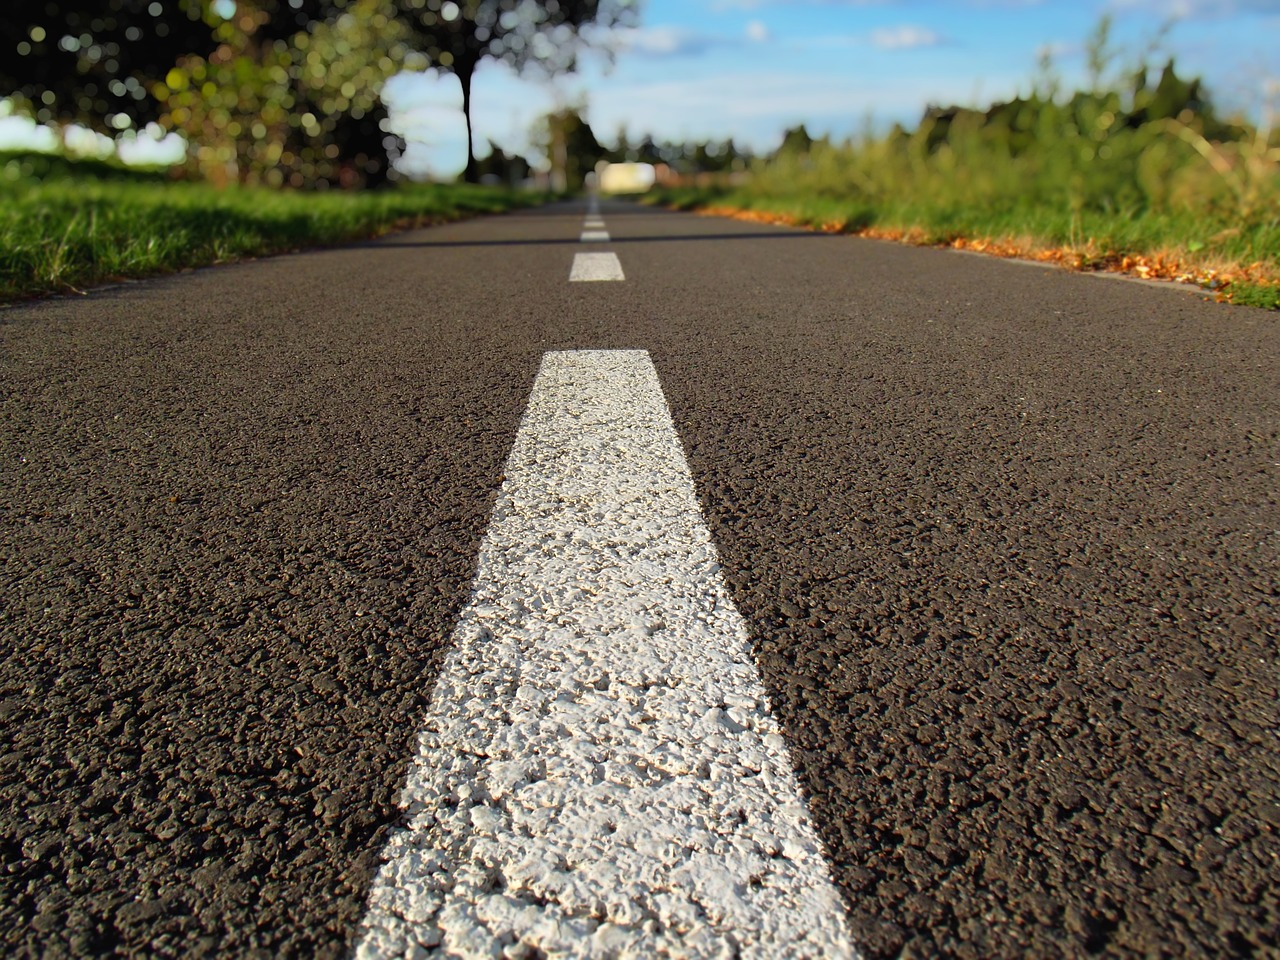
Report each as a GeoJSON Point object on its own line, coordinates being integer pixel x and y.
{"type": "Point", "coordinates": [1007, 541]}
{"type": "Point", "coordinates": [240, 513]}
{"type": "Point", "coordinates": [599, 774]}
{"type": "Point", "coordinates": [1010, 546]}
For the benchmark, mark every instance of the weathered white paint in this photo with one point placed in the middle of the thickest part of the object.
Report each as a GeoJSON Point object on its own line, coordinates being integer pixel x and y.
{"type": "Point", "coordinates": [599, 774]}
{"type": "Point", "coordinates": [596, 266]}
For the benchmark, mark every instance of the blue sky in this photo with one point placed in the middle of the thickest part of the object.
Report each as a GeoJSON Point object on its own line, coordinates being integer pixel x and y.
{"type": "Point", "coordinates": [751, 68]}
{"type": "Point", "coordinates": [748, 69]}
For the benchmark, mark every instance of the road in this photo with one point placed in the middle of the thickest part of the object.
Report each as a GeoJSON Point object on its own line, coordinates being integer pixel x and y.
{"type": "Point", "coordinates": [1005, 540]}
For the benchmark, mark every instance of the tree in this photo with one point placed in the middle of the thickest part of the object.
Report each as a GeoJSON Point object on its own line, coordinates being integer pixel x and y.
{"type": "Point", "coordinates": [457, 35]}
{"type": "Point", "coordinates": [282, 91]}
{"type": "Point", "coordinates": [571, 147]}
{"type": "Point", "coordinates": [94, 62]}
{"type": "Point", "coordinates": [648, 151]}
{"type": "Point", "coordinates": [502, 167]}
{"type": "Point", "coordinates": [296, 110]}
{"type": "Point", "coordinates": [622, 152]}
{"type": "Point", "coordinates": [795, 140]}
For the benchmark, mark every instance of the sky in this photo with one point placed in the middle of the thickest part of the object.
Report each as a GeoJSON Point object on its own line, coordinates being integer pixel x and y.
{"type": "Point", "coordinates": [749, 69]}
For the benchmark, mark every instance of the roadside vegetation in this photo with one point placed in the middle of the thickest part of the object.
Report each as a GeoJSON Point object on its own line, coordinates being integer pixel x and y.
{"type": "Point", "coordinates": [1138, 173]}
{"type": "Point", "coordinates": [66, 225]}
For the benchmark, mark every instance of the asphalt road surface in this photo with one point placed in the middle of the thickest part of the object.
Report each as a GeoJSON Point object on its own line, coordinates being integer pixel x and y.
{"type": "Point", "coordinates": [1006, 542]}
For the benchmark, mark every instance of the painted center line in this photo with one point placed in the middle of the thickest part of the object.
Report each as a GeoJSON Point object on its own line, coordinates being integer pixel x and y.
{"type": "Point", "coordinates": [596, 266]}
{"type": "Point", "coordinates": [594, 236]}
{"type": "Point", "coordinates": [593, 223]}
{"type": "Point", "coordinates": [599, 774]}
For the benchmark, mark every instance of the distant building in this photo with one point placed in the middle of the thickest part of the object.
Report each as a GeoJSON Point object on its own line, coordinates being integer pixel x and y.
{"type": "Point", "coordinates": [625, 177]}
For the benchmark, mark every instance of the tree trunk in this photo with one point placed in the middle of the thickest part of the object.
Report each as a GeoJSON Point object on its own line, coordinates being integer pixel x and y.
{"type": "Point", "coordinates": [464, 77]}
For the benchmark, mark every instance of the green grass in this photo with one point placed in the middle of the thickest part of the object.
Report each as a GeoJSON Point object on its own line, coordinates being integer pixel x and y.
{"type": "Point", "coordinates": [1133, 175]}
{"type": "Point", "coordinates": [1108, 234]}
{"type": "Point", "coordinates": [64, 228]}
{"type": "Point", "coordinates": [1248, 294]}
{"type": "Point", "coordinates": [1214, 251]}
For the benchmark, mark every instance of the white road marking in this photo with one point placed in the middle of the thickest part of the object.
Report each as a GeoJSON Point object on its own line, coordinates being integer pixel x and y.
{"type": "Point", "coordinates": [593, 223]}
{"type": "Point", "coordinates": [599, 774]}
{"type": "Point", "coordinates": [596, 266]}
{"type": "Point", "coordinates": [594, 236]}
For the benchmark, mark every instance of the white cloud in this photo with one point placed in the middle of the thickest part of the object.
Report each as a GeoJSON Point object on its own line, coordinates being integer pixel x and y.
{"type": "Point", "coordinates": [755, 107]}
{"type": "Point", "coordinates": [904, 38]}
{"type": "Point", "coordinates": [727, 6]}
{"type": "Point", "coordinates": [661, 42]}
{"type": "Point", "coordinates": [1184, 9]}
{"type": "Point", "coordinates": [1059, 50]}
{"type": "Point", "coordinates": [887, 38]}
{"type": "Point", "coordinates": [724, 6]}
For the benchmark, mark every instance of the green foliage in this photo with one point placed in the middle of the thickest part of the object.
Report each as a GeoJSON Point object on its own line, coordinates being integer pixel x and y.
{"type": "Point", "coordinates": [683, 157]}
{"type": "Point", "coordinates": [1265, 295]}
{"type": "Point", "coordinates": [457, 35]}
{"type": "Point", "coordinates": [570, 146]}
{"type": "Point", "coordinates": [694, 198]}
{"type": "Point", "coordinates": [93, 60]}
{"type": "Point", "coordinates": [796, 142]}
{"type": "Point", "coordinates": [500, 167]}
{"type": "Point", "coordinates": [1130, 167]}
{"type": "Point", "coordinates": [48, 167]}
{"type": "Point", "coordinates": [1129, 151]}
{"type": "Point", "coordinates": [70, 231]}
{"type": "Point", "coordinates": [1095, 236]}
{"type": "Point", "coordinates": [275, 92]}
{"type": "Point", "coordinates": [267, 91]}
{"type": "Point", "coordinates": [295, 110]}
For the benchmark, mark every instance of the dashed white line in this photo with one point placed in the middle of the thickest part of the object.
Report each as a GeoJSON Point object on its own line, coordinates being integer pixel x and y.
{"type": "Point", "coordinates": [593, 223]}
{"type": "Point", "coordinates": [599, 774]}
{"type": "Point", "coordinates": [594, 236]}
{"type": "Point", "coordinates": [596, 266]}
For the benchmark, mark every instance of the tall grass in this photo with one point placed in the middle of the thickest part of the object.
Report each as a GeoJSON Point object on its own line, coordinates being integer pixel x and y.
{"type": "Point", "coordinates": [1135, 172]}
{"type": "Point", "coordinates": [62, 229]}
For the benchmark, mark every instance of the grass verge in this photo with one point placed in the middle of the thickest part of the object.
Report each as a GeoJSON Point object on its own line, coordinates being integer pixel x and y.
{"type": "Point", "coordinates": [1234, 264]}
{"type": "Point", "coordinates": [61, 234]}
